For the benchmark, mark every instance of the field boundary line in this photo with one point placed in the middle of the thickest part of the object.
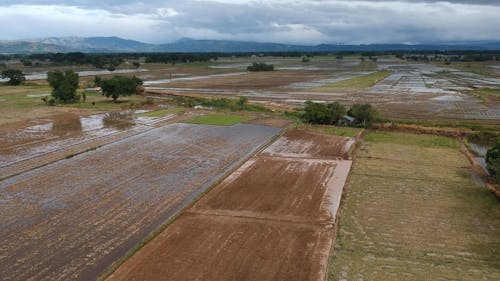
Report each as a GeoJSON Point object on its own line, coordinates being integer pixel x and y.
{"type": "Point", "coordinates": [115, 265]}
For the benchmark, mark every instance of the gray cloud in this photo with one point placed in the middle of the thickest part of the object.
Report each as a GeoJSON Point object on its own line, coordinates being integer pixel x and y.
{"type": "Point", "coordinates": [297, 21]}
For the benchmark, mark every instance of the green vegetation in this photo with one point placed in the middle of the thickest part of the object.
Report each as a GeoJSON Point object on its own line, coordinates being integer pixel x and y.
{"type": "Point", "coordinates": [413, 212]}
{"type": "Point", "coordinates": [322, 113]}
{"type": "Point", "coordinates": [221, 104]}
{"type": "Point", "coordinates": [493, 162]}
{"type": "Point", "coordinates": [428, 141]}
{"type": "Point", "coordinates": [335, 130]}
{"type": "Point", "coordinates": [365, 114]}
{"type": "Point", "coordinates": [486, 95]}
{"type": "Point", "coordinates": [15, 76]}
{"type": "Point", "coordinates": [219, 119]}
{"type": "Point", "coordinates": [260, 67]}
{"type": "Point", "coordinates": [161, 113]}
{"type": "Point", "coordinates": [119, 86]}
{"type": "Point", "coordinates": [357, 83]}
{"type": "Point", "coordinates": [64, 85]}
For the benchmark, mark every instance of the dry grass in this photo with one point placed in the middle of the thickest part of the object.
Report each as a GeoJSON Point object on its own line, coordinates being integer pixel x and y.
{"type": "Point", "coordinates": [413, 212]}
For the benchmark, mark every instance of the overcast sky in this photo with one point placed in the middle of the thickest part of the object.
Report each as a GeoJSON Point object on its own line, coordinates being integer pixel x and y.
{"type": "Point", "coordinates": [292, 21]}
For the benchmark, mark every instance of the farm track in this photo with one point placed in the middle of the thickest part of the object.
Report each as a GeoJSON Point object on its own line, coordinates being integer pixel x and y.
{"type": "Point", "coordinates": [71, 219]}
{"type": "Point", "coordinates": [272, 219]}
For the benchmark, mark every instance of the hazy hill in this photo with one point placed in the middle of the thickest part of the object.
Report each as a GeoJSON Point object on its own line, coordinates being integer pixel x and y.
{"type": "Point", "coordinates": [116, 44]}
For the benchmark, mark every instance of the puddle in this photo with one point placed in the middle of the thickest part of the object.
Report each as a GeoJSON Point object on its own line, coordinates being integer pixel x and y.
{"type": "Point", "coordinates": [480, 150]}
{"type": "Point", "coordinates": [448, 98]}
{"type": "Point", "coordinates": [38, 95]}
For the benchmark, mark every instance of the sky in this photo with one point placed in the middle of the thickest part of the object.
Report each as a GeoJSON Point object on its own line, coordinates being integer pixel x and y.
{"type": "Point", "coordinates": [305, 22]}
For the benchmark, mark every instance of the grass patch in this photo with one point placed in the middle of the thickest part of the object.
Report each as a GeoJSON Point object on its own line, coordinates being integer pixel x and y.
{"type": "Point", "coordinates": [218, 119]}
{"type": "Point", "coordinates": [486, 95]}
{"type": "Point", "coordinates": [429, 141]}
{"type": "Point", "coordinates": [413, 212]}
{"type": "Point", "coordinates": [334, 130]}
{"type": "Point", "coordinates": [357, 83]}
{"type": "Point", "coordinates": [161, 113]}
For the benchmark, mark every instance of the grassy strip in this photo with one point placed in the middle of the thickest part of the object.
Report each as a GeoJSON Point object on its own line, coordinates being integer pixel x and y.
{"type": "Point", "coordinates": [161, 113]}
{"type": "Point", "coordinates": [429, 141]}
{"type": "Point", "coordinates": [219, 119]}
{"type": "Point", "coordinates": [357, 83]}
{"type": "Point", "coordinates": [334, 130]}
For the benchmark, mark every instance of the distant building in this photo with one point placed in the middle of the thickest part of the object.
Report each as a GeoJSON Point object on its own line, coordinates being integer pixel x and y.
{"type": "Point", "coordinates": [93, 90]}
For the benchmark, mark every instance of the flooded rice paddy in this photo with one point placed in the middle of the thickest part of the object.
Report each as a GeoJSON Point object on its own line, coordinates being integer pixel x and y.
{"type": "Point", "coordinates": [73, 218]}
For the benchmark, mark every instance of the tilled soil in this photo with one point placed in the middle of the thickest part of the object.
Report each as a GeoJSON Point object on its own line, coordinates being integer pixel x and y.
{"type": "Point", "coordinates": [71, 219]}
{"type": "Point", "coordinates": [272, 219]}
{"type": "Point", "coordinates": [302, 143]}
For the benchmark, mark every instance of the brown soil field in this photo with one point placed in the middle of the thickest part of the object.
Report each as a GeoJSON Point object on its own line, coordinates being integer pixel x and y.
{"type": "Point", "coordinates": [253, 80]}
{"type": "Point", "coordinates": [272, 219]}
{"type": "Point", "coordinates": [72, 219]}
{"type": "Point", "coordinates": [307, 144]}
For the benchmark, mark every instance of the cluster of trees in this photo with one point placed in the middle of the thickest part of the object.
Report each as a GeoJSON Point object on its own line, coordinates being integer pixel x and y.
{"type": "Point", "coordinates": [260, 67]}
{"type": "Point", "coordinates": [180, 57]}
{"type": "Point", "coordinates": [333, 113]}
{"type": "Point", "coordinates": [64, 85]}
{"type": "Point", "coordinates": [493, 162]}
{"type": "Point", "coordinates": [15, 76]}
{"type": "Point", "coordinates": [102, 61]}
{"type": "Point", "coordinates": [119, 86]}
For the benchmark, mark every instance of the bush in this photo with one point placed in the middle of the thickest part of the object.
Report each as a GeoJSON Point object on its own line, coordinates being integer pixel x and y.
{"type": "Point", "coordinates": [64, 85]}
{"type": "Point", "coordinates": [493, 162]}
{"type": "Point", "coordinates": [320, 113]}
{"type": "Point", "coordinates": [260, 67]}
{"type": "Point", "coordinates": [15, 76]}
{"type": "Point", "coordinates": [119, 86]}
{"type": "Point", "coordinates": [365, 114]}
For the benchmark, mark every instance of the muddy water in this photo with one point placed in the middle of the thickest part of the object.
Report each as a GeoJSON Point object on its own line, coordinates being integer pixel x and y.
{"type": "Point", "coordinates": [480, 150]}
{"type": "Point", "coordinates": [43, 75]}
{"type": "Point", "coordinates": [192, 78]}
{"type": "Point", "coordinates": [59, 131]}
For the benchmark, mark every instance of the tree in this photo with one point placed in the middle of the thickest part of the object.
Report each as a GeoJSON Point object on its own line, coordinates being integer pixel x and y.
{"type": "Point", "coordinates": [15, 76]}
{"type": "Point", "coordinates": [320, 113]}
{"type": "Point", "coordinates": [241, 102]}
{"type": "Point", "coordinates": [365, 114]}
{"type": "Point", "coordinates": [64, 85]}
{"type": "Point", "coordinates": [493, 162]}
{"type": "Point", "coordinates": [260, 67]}
{"type": "Point", "coordinates": [136, 64]}
{"type": "Point", "coordinates": [119, 86]}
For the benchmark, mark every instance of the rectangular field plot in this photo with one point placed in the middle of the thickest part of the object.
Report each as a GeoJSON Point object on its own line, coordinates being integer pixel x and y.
{"type": "Point", "coordinates": [272, 219]}
{"type": "Point", "coordinates": [306, 144]}
{"type": "Point", "coordinates": [71, 219]}
{"type": "Point", "coordinates": [273, 187]}
{"type": "Point", "coordinates": [199, 247]}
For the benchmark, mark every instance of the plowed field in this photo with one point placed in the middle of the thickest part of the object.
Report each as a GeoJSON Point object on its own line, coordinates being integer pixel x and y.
{"type": "Point", "coordinates": [272, 219]}
{"type": "Point", "coordinates": [71, 219]}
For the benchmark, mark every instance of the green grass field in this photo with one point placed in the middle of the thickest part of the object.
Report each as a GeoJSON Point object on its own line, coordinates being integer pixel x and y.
{"type": "Point", "coordinates": [334, 130]}
{"type": "Point", "coordinates": [357, 83]}
{"type": "Point", "coordinates": [219, 119]}
{"type": "Point", "coordinates": [413, 212]}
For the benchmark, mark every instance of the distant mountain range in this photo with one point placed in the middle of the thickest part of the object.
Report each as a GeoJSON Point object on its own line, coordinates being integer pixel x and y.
{"type": "Point", "coordinates": [116, 44]}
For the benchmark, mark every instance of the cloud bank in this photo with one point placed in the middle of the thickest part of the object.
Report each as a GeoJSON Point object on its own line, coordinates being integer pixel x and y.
{"type": "Point", "coordinates": [294, 21]}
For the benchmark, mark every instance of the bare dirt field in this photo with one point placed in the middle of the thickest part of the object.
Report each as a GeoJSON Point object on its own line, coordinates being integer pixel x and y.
{"type": "Point", "coordinates": [272, 219]}
{"type": "Point", "coordinates": [71, 219]}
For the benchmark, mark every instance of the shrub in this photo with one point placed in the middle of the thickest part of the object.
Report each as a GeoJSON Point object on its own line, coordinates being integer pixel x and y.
{"type": "Point", "coordinates": [64, 85]}
{"type": "Point", "coordinates": [320, 113]}
{"type": "Point", "coordinates": [260, 67]}
{"type": "Point", "coordinates": [493, 162]}
{"type": "Point", "coordinates": [15, 76]}
{"type": "Point", "coordinates": [365, 114]}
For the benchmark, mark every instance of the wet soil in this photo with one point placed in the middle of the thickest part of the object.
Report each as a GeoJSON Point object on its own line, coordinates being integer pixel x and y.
{"type": "Point", "coordinates": [71, 219]}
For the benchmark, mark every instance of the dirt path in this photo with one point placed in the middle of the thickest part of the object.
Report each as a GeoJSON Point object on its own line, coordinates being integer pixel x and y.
{"type": "Point", "coordinates": [272, 219]}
